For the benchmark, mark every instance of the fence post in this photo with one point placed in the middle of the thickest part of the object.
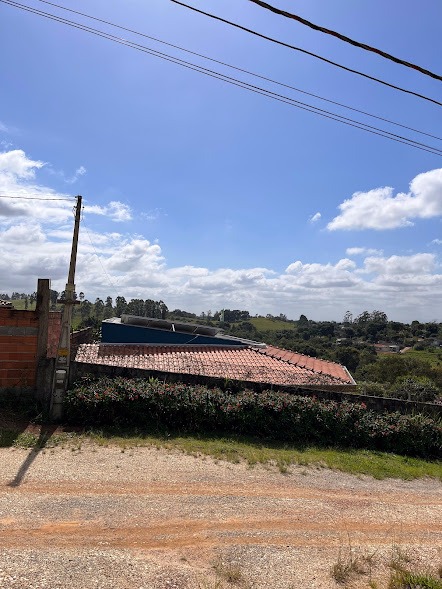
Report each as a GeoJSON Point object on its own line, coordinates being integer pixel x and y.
{"type": "Point", "coordinates": [42, 310]}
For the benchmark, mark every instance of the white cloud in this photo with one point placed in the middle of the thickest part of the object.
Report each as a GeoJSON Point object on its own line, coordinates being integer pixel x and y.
{"type": "Point", "coordinates": [81, 171]}
{"type": "Point", "coordinates": [437, 242]}
{"type": "Point", "coordinates": [153, 214]}
{"type": "Point", "coordinates": [323, 275]}
{"type": "Point", "coordinates": [115, 210]}
{"type": "Point", "coordinates": [17, 179]}
{"type": "Point", "coordinates": [314, 218]}
{"type": "Point", "coordinates": [35, 240]}
{"type": "Point", "coordinates": [404, 267]}
{"type": "Point", "coordinates": [16, 165]}
{"type": "Point", "coordinates": [359, 251]}
{"type": "Point", "coordinates": [380, 209]}
{"type": "Point", "coordinates": [405, 287]}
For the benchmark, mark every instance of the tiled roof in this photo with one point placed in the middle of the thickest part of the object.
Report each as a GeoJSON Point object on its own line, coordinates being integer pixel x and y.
{"type": "Point", "coordinates": [322, 366]}
{"type": "Point", "coordinates": [233, 363]}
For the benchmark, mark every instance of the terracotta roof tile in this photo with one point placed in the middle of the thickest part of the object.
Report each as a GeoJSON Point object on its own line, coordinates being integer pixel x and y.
{"type": "Point", "coordinates": [322, 366]}
{"type": "Point", "coordinates": [234, 363]}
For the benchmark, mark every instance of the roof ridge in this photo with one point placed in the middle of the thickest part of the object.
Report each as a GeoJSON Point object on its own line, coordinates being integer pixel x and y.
{"type": "Point", "coordinates": [304, 365]}
{"type": "Point", "coordinates": [306, 355]}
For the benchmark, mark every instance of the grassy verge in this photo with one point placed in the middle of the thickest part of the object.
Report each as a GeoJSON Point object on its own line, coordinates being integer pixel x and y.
{"type": "Point", "coordinates": [434, 357]}
{"type": "Point", "coordinates": [379, 465]}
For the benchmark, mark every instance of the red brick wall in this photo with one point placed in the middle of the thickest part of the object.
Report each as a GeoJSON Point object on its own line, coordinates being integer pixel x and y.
{"type": "Point", "coordinates": [18, 348]}
{"type": "Point", "coordinates": [54, 330]}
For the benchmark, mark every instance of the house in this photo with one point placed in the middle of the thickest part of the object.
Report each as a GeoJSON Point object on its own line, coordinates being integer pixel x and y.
{"type": "Point", "coordinates": [387, 348]}
{"type": "Point", "coordinates": [161, 347]}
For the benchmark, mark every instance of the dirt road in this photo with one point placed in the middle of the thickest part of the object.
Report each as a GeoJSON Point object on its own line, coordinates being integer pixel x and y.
{"type": "Point", "coordinates": [145, 518]}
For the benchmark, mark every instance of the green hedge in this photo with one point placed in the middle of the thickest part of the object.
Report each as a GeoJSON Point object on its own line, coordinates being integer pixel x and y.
{"type": "Point", "coordinates": [273, 415]}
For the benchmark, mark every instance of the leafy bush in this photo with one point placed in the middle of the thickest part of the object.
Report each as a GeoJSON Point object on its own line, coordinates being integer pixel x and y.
{"type": "Point", "coordinates": [375, 389]}
{"type": "Point", "coordinates": [272, 415]}
{"type": "Point", "coordinates": [418, 388]}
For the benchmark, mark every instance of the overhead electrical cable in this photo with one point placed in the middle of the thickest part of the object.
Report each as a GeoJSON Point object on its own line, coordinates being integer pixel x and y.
{"type": "Point", "coordinates": [234, 81]}
{"type": "Point", "coordinates": [35, 197]}
{"type": "Point", "coordinates": [346, 39]}
{"type": "Point", "coordinates": [242, 70]}
{"type": "Point", "coordinates": [315, 55]}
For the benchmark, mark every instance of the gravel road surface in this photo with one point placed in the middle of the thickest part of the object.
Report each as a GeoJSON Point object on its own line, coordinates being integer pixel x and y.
{"type": "Point", "coordinates": [99, 517]}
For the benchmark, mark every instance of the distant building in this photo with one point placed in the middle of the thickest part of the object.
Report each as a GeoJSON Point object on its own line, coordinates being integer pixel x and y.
{"type": "Point", "coordinates": [168, 347]}
{"type": "Point", "coordinates": [387, 348]}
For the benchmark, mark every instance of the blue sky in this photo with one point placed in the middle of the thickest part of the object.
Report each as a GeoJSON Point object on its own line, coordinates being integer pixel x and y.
{"type": "Point", "coordinates": [206, 195]}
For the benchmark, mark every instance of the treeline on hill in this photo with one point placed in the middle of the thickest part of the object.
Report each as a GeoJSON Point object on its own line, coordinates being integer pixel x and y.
{"type": "Point", "coordinates": [415, 375]}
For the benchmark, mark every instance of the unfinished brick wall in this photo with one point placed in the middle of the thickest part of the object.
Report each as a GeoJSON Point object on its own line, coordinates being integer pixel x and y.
{"type": "Point", "coordinates": [18, 348]}
{"type": "Point", "coordinates": [54, 331]}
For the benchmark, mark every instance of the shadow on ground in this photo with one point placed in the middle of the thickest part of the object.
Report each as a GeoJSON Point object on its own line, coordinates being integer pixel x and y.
{"type": "Point", "coordinates": [46, 432]}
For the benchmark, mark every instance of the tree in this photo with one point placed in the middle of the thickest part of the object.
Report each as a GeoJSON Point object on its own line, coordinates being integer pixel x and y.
{"type": "Point", "coordinates": [379, 317]}
{"type": "Point", "coordinates": [163, 310]}
{"type": "Point", "coordinates": [136, 307]}
{"type": "Point", "coordinates": [414, 388]}
{"type": "Point", "coordinates": [348, 356]}
{"type": "Point", "coordinates": [302, 320]}
{"type": "Point", "coordinates": [108, 310]}
{"type": "Point", "coordinates": [348, 318]}
{"type": "Point", "coordinates": [53, 297]}
{"type": "Point", "coordinates": [388, 368]}
{"type": "Point", "coordinates": [120, 306]}
{"type": "Point", "coordinates": [98, 308]}
{"type": "Point", "coordinates": [86, 309]}
{"type": "Point", "coordinates": [363, 318]}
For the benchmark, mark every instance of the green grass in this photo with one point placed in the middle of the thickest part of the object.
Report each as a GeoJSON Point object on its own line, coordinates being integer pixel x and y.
{"type": "Point", "coordinates": [263, 324]}
{"type": "Point", "coordinates": [409, 580]}
{"type": "Point", "coordinates": [434, 358]}
{"type": "Point", "coordinates": [379, 465]}
{"type": "Point", "coordinates": [20, 304]}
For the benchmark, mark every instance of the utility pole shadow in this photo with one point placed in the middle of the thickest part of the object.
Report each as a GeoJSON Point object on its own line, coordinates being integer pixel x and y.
{"type": "Point", "coordinates": [46, 432]}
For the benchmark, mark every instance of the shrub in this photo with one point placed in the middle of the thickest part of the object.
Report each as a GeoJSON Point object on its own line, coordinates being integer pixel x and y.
{"type": "Point", "coordinates": [418, 388]}
{"type": "Point", "coordinates": [375, 389]}
{"type": "Point", "coordinates": [269, 414]}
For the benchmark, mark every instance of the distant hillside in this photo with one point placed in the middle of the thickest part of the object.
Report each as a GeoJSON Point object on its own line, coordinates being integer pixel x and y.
{"type": "Point", "coordinates": [264, 324]}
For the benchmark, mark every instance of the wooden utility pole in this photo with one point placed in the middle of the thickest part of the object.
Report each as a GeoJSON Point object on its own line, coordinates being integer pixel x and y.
{"type": "Point", "coordinates": [61, 372]}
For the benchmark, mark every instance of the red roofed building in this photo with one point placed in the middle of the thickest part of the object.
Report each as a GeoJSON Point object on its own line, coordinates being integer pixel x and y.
{"type": "Point", "coordinates": [158, 346]}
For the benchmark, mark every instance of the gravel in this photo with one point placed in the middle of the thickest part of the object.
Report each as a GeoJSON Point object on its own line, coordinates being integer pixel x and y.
{"type": "Point", "coordinates": [152, 519]}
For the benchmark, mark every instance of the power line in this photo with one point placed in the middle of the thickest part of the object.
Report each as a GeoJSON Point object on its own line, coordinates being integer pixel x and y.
{"type": "Point", "coordinates": [241, 70]}
{"type": "Point", "coordinates": [347, 39]}
{"type": "Point", "coordinates": [235, 82]}
{"type": "Point", "coordinates": [34, 198]}
{"type": "Point", "coordinates": [315, 55]}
